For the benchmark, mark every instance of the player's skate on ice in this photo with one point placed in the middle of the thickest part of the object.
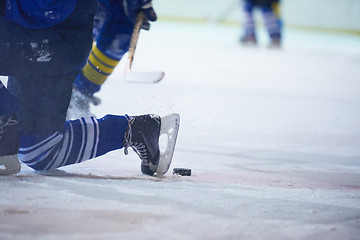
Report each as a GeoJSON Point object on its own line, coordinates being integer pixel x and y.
{"type": "Point", "coordinates": [143, 136]}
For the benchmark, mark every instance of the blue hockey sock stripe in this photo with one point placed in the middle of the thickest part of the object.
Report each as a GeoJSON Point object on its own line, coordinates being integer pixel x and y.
{"type": "Point", "coordinates": [30, 155]}
{"type": "Point", "coordinates": [78, 143]}
{"type": "Point", "coordinates": [82, 139]}
{"type": "Point", "coordinates": [90, 139]}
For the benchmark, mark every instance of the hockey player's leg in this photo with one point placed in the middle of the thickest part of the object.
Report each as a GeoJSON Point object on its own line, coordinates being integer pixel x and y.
{"type": "Point", "coordinates": [271, 15]}
{"type": "Point", "coordinates": [112, 32]}
{"type": "Point", "coordinates": [81, 140]}
{"type": "Point", "coordinates": [80, 100]}
{"type": "Point", "coordinates": [87, 138]}
{"type": "Point", "coordinates": [41, 54]}
{"type": "Point", "coordinates": [45, 143]}
{"type": "Point", "coordinates": [249, 37]}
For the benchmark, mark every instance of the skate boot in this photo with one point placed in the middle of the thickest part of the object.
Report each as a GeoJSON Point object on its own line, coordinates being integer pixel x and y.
{"type": "Point", "coordinates": [80, 105]}
{"type": "Point", "coordinates": [275, 43]}
{"type": "Point", "coordinates": [143, 136]}
{"type": "Point", "coordinates": [9, 145]}
{"type": "Point", "coordinates": [248, 40]}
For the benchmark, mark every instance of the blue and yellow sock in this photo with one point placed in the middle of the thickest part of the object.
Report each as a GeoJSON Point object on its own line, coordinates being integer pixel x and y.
{"type": "Point", "coordinates": [98, 68]}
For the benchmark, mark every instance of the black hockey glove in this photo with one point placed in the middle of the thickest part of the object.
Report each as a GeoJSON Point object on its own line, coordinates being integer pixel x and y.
{"type": "Point", "coordinates": [132, 7]}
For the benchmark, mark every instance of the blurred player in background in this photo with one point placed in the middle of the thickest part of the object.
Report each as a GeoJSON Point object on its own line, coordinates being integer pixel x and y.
{"type": "Point", "coordinates": [112, 33]}
{"type": "Point", "coordinates": [271, 13]}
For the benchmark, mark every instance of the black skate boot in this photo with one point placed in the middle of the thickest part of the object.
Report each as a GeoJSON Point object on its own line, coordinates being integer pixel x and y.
{"type": "Point", "coordinates": [143, 137]}
{"type": "Point", "coordinates": [275, 43]}
{"type": "Point", "coordinates": [9, 145]}
{"type": "Point", "coordinates": [248, 40]}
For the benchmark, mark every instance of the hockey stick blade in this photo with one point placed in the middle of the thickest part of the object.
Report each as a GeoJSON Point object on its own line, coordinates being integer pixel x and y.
{"type": "Point", "coordinates": [143, 77]}
{"type": "Point", "coordinates": [169, 127]}
{"type": "Point", "coordinates": [139, 77]}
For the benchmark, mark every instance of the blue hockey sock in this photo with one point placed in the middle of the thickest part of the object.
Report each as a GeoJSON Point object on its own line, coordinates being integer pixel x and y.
{"type": "Point", "coordinates": [249, 22]}
{"type": "Point", "coordinates": [85, 86]}
{"type": "Point", "coordinates": [272, 21]}
{"type": "Point", "coordinates": [81, 140]}
{"type": "Point", "coordinates": [98, 68]}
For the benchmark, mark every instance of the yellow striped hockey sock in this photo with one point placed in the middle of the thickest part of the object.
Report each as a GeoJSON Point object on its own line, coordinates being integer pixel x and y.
{"type": "Point", "coordinates": [99, 66]}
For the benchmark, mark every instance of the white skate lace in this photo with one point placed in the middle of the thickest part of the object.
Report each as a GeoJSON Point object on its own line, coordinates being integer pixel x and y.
{"type": "Point", "coordinates": [139, 148]}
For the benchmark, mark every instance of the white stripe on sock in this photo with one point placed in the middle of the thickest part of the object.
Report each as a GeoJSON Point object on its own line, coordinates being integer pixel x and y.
{"type": "Point", "coordinates": [37, 151]}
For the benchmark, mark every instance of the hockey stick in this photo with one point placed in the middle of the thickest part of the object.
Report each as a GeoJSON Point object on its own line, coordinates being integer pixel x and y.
{"type": "Point", "coordinates": [226, 12]}
{"type": "Point", "coordinates": [139, 77]}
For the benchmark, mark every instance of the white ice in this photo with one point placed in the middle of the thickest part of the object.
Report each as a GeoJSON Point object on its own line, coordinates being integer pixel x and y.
{"type": "Point", "coordinates": [272, 138]}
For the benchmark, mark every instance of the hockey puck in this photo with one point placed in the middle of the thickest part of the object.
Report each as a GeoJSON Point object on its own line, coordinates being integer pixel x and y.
{"type": "Point", "coordinates": [182, 171]}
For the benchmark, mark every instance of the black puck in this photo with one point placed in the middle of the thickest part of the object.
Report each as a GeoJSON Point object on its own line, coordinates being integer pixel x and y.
{"type": "Point", "coordinates": [182, 171]}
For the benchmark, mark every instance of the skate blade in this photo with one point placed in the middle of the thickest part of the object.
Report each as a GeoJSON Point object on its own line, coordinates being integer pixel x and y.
{"type": "Point", "coordinates": [9, 165]}
{"type": "Point", "coordinates": [169, 127]}
{"type": "Point", "coordinates": [144, 77]}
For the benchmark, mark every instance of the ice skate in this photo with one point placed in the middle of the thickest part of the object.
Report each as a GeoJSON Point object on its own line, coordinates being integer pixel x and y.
{"type": "Point", "coordinates": [275, 42]}
{"type": "Point", "coordinates": [9, 145]}
{"type": "Point", "coordinates": [143, 136]}
{"type": "Point", "coordinates": [80, 105]}
{"type": "Point", "coordinates": [248, 40]}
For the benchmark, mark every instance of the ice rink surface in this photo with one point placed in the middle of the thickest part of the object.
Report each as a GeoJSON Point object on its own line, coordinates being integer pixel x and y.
{"type": "Point", "coordinates": [272, 138]}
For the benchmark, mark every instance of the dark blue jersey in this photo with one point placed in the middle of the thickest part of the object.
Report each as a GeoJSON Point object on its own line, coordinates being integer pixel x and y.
{"type": "Point", "coordinates": [37, 14]}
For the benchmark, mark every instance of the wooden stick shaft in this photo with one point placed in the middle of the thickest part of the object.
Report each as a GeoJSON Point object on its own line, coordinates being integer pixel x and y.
{"type": "Point", "coordinates": [134, 37]}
